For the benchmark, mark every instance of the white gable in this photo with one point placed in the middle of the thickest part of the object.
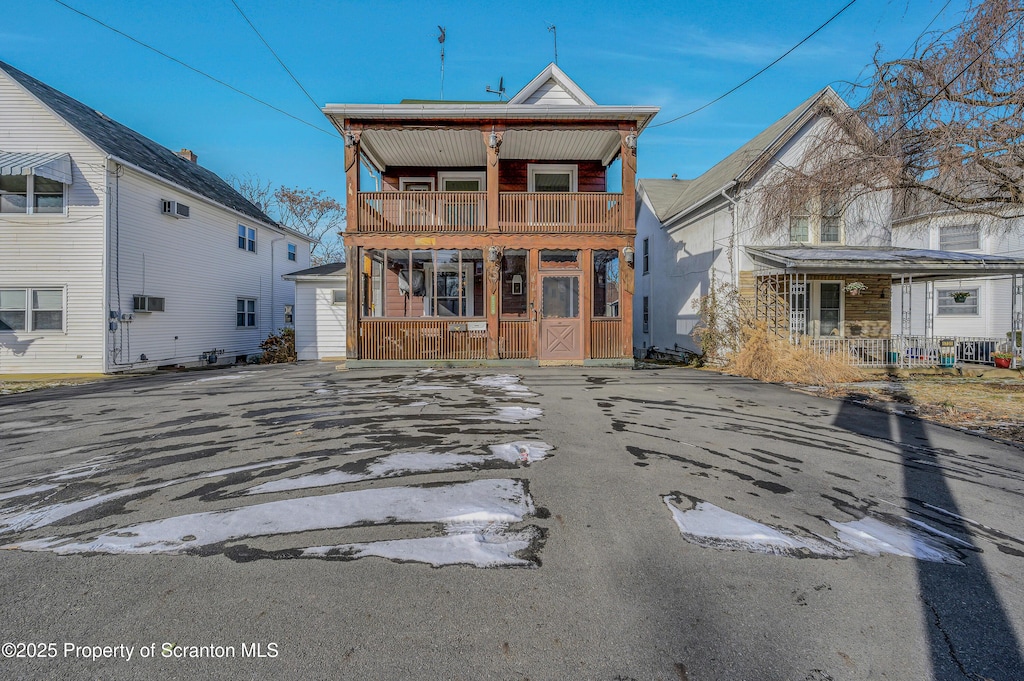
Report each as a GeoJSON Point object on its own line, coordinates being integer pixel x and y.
{"type": "Point", "coordinates": [552, 86]}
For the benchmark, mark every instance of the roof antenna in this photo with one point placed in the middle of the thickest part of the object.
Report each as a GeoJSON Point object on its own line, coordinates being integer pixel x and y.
{"type": "Point", "coordinates": [500, 91]}
{"type": "Point", "coordinates": [554, 31]}
{"type": "Point", "coordinates": [441, 38]}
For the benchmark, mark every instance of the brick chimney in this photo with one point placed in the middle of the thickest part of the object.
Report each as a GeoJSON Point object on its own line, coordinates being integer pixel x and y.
{"type": "Point", "coordinates": [188, 155]}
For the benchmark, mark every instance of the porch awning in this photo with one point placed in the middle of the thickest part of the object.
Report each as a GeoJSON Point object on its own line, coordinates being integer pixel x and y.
{"type": "Point", "coordinates": [913, 262]}
{"type": "Point", "coordinates": [53, 166]}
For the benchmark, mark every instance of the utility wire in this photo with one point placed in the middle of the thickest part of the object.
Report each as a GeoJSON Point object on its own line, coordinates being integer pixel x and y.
{"type": "Point", "coordinates": [193, 69]}
{"type": "Point", "coordinates": [279, 61]}
{"type": "Point", "coordinates": [780, 58]}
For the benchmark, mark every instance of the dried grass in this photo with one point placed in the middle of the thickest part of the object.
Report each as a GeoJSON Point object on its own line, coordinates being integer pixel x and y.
{"type": "Point", "coordinates": [765, 356]}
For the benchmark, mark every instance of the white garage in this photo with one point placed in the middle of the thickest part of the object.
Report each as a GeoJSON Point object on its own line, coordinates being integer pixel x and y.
{"type": "Point", "coordinates": [320, 311]}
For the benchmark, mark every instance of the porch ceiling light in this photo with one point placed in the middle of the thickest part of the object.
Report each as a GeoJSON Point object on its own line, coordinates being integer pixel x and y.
{"type": "Point", "coordinates": [492, 253]}
{"type": "Point", "coordinates": [493, 141]}
{"type": "Point", "coordinates": [631, 140]}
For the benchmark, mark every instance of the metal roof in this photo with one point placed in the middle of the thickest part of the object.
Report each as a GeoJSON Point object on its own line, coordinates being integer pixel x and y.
{"type": "Point", "coordinates": [124, 144]}
{"type": "Point", "coordinates": [55, 166]}
{"type": "Point", "coordinates": [916, 262]}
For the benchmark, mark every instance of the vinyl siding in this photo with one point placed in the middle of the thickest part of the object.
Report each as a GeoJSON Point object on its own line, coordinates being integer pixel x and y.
{"type": "Point", "coordinates": [319, 323]}
{"type": "Point", "coordinates": [196, 266]}
{"type": "Point", "coordinates": [551, 93]}
{"type": "Point", "coordinates": [64, 251]}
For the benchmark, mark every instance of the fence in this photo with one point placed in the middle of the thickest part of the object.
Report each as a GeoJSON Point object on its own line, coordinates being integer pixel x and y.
{"type": "Point", "coordinates": [908, 351]}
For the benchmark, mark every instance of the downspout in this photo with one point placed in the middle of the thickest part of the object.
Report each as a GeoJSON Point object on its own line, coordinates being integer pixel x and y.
{"type": "Point", "coordinates": [733, 241]}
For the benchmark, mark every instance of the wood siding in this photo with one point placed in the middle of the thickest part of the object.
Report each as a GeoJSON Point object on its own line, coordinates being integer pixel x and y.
{"type": "Point", "coordinates": [54, 251]}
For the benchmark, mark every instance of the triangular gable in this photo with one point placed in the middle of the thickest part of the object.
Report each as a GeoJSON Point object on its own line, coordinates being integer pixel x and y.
{"type": "Point", "coordinates": [552, 86]}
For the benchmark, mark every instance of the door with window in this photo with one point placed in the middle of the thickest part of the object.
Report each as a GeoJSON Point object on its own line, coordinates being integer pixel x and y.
{"type": "Point", "coordinates": [561, 324]}
{"type": "Point", "coordinates": [828, 309]}
{"type": "Point", "coordinates": [461, 211]}
{"type": "Point", "coordinates": [556, 180]}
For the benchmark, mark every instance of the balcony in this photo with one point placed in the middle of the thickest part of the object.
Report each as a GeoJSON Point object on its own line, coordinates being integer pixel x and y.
{"type": "Point", "coordinates": [466, 212]}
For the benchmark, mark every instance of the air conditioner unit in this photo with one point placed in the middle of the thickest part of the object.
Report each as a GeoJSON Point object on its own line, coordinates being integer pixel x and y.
{"type": "Point", "coordinates": [147, 304]}
{"type": "Point", "coordinates": [175, 209]}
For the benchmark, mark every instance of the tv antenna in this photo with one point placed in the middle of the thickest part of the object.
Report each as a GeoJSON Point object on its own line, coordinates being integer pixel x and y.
{"type": "Point", "coordinates": [500, 91]}
{"type": "Point", "coordinates": [441, 38]}
{"type": "Point", "coordinates": [554, 32]}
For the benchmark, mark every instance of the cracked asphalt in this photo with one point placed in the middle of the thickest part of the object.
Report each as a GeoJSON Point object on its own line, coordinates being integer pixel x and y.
{"type": "Point", "coordinates": [607, 588]}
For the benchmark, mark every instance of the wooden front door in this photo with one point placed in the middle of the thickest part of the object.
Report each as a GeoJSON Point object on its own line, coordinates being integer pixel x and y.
{"type": "Point", "coordinates": [561, 324]}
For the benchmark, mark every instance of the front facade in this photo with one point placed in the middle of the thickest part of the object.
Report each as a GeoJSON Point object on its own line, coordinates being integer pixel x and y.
{"type": "Point", "coordinates": [493, 235]}
{"type": "Point", "coordinates": [118, 254]}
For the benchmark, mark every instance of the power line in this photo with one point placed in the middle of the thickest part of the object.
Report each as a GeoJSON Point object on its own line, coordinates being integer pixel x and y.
{"type": "Point", "coordinates": [279, 61]}
{"type": "Point", "coordinates": [192, 68]}
{"type": "Point", "coordinates": [780, 58]}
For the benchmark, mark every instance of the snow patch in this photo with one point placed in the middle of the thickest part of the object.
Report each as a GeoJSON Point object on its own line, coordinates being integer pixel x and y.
{"type": "Point", "coordinates": [873, 537]}
{"type": "Point", "coordinates": [516, 414]}
{"type": "Point", "coordinates": [507, 382]}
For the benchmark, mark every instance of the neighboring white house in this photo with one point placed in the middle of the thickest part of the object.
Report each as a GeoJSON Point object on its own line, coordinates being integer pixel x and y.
{"type": "Point", "coordinates": [118, 254]}
{"type": "Point", "coordinates": [320, 306]}
{"type": "Point", "coordinates": [988, 310]}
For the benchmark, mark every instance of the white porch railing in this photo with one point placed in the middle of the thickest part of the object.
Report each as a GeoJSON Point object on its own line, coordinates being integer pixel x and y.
{"type": "Point", "coordinates": [908, 351]}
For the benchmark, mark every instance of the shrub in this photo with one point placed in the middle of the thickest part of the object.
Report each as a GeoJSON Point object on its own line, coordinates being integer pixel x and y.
{"type": "Point", "coordinates": [279, 347]}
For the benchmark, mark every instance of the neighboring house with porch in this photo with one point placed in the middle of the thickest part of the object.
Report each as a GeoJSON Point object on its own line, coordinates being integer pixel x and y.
{"type": "Point", "coordinates": [493, 236]}
{"type": "Point", "coordinates": [118, 254]}
{"type": "Point", "coordinates": [825, 279]}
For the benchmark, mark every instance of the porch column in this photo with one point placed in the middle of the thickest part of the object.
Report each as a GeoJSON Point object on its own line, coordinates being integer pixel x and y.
{"type": "Point", "coordinates": [492, 140]}
{"type": "Point", "coordinates": [587, 297]}
{"type": "Point", "coordinates": [1016, 316]}
{"type": "Point", "coordinates": [627, 153]}
{"type": "Point", "coordinates": [354, 265]}
{"type": "Point", "coordinates": [626, 272]}
{"type": "Point", "coordinates": [492, 302]}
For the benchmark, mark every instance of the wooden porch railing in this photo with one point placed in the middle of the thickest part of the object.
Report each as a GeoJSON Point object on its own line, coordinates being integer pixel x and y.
{"type": "Point", "coordinates": [422, 339]}
{"type": "Point", "coordinates": [575, 213]}
{"type": "Point", "coordinates": [606, 338]}
{"type": "Point", "coordinates": [422, 211]}
{"type": "Point", "coordinates": [514, 339]}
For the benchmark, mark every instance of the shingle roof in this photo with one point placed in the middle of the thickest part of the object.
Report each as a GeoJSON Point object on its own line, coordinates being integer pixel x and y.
{"type": "Point", "coordinates": [328, 270]}
{"type": "Point", "coordinates": [129, 146]}
{"type": "Point", "coordinates": [669, 197]}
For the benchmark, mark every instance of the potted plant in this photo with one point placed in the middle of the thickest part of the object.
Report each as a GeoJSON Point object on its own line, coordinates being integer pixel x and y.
{"type": "Point", "coordinates": [855, 288]}
{"type": "Point", "coordinates": [960, 296]}
{"type": "Point", "coordinates": [1002, 359]}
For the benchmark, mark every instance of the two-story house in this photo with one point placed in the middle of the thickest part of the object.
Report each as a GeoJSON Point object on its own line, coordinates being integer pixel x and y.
{"type": "Point", "coordinates": [118, 254]}
{"type": "Point", "coordinates": [492, 235]}
{"type": "Point", "coordinates": [826, 276]}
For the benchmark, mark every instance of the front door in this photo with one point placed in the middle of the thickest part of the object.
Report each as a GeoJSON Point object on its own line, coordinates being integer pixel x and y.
{"type": "Point", "coordinates": [561, 327]}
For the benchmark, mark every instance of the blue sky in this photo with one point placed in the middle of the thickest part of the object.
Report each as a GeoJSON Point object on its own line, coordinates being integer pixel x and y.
{"type": "Point", "coordinates": [676, 55]}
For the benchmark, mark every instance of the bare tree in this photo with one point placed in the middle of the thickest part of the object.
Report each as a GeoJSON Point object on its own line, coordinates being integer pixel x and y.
{"type": "Point", "coordinates": [317, 216]}
{"type": "Point", "coordinates": [943, 128]}
{"type": "Point", "coordinates": [259, 193]}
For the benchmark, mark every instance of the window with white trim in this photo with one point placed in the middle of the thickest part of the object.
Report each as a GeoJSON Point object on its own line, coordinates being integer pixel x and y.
{"type": "Point", "coordinates": [552, 177]}
{"type": "Point", "coordinates": [289, 314]}
{"type": "Point", "coordinates": [31, 195]}
{"type": "Point", "coordinates": [338, 297]}
{"type": "Point", "coordinates": [245, 313]}
{"type": "Point", "coordinates": [947, 305]}
{"type": "Point", "coordinates": [247, 238]}
{"type": "Point", "coordinates": [646, 256]}
{"type": "Point", "coordinates": [31, 309]}
{"type": "Point", "coordinates": [292, 252]}
{"type": "Point", "coordinates": [959, 237]}
{"type": "Point", "coordinates": [818, 221]}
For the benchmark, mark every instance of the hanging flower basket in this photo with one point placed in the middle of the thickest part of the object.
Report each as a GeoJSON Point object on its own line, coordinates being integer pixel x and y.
{"type": "Point", "coordinates": [855, 288]}
{"type": "Point", "coordinates": [960, 296]}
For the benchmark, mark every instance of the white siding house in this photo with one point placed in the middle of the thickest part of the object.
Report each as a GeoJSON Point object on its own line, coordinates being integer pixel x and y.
{"type": "Point", "coordinates": [320, 307]}
{"type": "Point", "coordinates": [94, 276]}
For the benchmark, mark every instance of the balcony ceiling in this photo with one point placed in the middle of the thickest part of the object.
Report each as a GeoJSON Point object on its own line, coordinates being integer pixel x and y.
{"type": "Point", "coordinates": [446, 147]}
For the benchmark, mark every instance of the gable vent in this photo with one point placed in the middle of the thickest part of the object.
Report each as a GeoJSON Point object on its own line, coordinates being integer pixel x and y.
{"type": "Point", "coordinates": [175, 209]}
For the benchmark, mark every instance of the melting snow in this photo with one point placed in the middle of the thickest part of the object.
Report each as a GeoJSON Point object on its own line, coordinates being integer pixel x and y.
{"type": "Point", "coordinates": [26, 491]}
{"type": "Point", "coordinates": [871, 536]}
{"type": "Point", "coordinates": [507, 382]}
{"type": "Point", "coordinates": [516, 414]}
{"type": "Point", "coordinates": [491, 549]}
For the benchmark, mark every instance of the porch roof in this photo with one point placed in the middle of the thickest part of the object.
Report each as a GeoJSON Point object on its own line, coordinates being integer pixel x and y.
{"type": "Point", "coordinates": [913, 262]}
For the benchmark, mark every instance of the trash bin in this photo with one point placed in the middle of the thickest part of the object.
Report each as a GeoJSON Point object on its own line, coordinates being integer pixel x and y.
{"type": "Point", "coordinates": [893, 357]}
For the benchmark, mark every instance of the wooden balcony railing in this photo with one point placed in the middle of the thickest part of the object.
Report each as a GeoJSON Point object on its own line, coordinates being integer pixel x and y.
{"type": "Point", "coordinates": [466, 212]}
{"type": "Point", "coordinates": [422, 211]}
{"type": "Point", "coordinates": [514, 338]}
{"type": "Point", "coordinates": [606, 338]}
{"type": "Point", "coordinates": [575, 212]}
{"type": "Point", "coordinates": [450, 338]}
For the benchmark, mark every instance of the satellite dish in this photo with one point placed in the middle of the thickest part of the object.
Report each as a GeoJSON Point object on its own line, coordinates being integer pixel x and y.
{"type": "Point", "coordinates": [501, 89]}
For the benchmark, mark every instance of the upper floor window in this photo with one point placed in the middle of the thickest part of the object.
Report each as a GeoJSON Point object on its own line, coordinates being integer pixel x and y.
{"type": "Point", "coordinates": [31, 310]}
{"type": "Point", "coordinates": [959, 237]}
{"type": "Point", "coordinates": [30, 195]}
{"type": "Point", "coordinates": [646, 256]}
{"type": "Point", "coordinates": [549, 177]}
{"type": "Point", "coordinates": [247, 238]}
{"type": "Point", "coordinates": [291, 252]}
{"type": "Point", "coordinates": [818, 221]}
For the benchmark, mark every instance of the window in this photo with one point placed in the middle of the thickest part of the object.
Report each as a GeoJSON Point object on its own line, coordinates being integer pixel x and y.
{"type": "Point", "coordinates": [338, 297]}
{"type": "Point", "coordinates": [247, 238]}
{"type": "Point", "coordinates": [647, 256]}
{"type": "Point", "coordinates": [245, 313]}
{"type": "Point", "coordinates": [818, 221]}
{"type": "Point", "coordinates": [948, 307]}
{"type": "Point", "coordinates": [563, 259]}
{"type": "Point", "coordinates": [831, 218]}
{"type": "Point", "coordinates": [547, 177]}
{"type": "Point", "coordinates": [289, 315]}
{"type": "Point", "coordinates": [31, 310]}
{"type": "Point", "coordinates": [606, 284]}
{"type": "Point", "coordinates": [30, 194]}
{"type": "Point", "coordinates": [800, 225]}
{"type": "Point", "coordinates": [960, 238]}
{"type": "Point", "coordinates": [147, 304]}
{"type": "Point", "coordinates": [401, 283]}
{"type": "Point", "coordinates": [647, 315]}
{"type": "Point", "coordinates": [291, 252]}
{"type": "Point", "coordinates": [514, 265]}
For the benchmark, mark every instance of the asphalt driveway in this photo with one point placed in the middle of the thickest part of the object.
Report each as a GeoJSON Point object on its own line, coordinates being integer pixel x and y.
{"type": "Point", "coordinates": [299, 522]}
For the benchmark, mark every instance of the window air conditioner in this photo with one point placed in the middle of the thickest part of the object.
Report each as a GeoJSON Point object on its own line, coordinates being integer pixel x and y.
{"type": "Point", "coordinates": [147, 304]}
{"type": "Point", "coordinates": [175, 209]}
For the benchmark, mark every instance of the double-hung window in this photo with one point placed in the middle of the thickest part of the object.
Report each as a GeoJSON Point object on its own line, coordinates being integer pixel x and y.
{"type": "Point", "coordinates": [30, 195]}
{"type": "Point", "coordinates": [292, 252]}
{"type": "Point", "coordinates": [245, 313]}
{"type": "Point", "coordinates": [959, 237]}
{"type": "Point", "coordinates": [31, 309]}
{"type": "Point", "coordinates": [247, 238]}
